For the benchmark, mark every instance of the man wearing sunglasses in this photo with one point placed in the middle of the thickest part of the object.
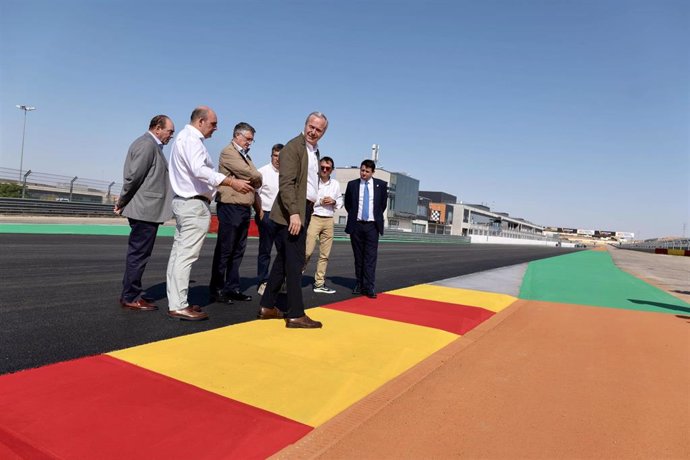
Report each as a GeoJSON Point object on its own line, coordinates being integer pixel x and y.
{"type": "Point", "coordinates": [233, 207]}
{"type": "Point", "coordinates": [321, 225]}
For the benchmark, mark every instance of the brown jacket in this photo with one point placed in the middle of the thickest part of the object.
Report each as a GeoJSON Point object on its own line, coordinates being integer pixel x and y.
{"type": "Point", "coordinates": [233, 164]}
{"type": "Point", "coordinates": [292, 192]}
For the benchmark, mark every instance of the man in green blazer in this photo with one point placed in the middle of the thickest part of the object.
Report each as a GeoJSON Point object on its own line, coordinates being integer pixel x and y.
{"type": "Point", "coordinates": [297, 192]}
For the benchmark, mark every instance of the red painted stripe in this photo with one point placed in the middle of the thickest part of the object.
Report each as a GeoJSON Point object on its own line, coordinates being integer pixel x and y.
{"type": "Point", "coordinates": [450, 317]}
{"type": "Point", "coordinates": [101, 407]}
{"type": "Point", "coordinates": [660, 251]}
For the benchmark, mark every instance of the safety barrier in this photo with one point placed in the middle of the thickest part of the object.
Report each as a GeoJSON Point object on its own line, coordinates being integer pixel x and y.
{"type": "Point", "coordinates": [19, 206]}
{"type": "Point", "coordinates": [675, 247]}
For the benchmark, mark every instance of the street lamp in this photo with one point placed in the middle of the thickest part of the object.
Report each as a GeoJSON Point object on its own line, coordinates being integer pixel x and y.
{"type": "Point", "coordinates": [25, 108]}
{"type": "Point", "coordinates": [109, 187]}
{"type": "Point", "coordinates": [24, 184]}
{"type": "Point", "coordinates": [71, 187]}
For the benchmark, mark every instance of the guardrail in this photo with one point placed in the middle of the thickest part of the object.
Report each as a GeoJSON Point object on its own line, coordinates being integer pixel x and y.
{"type": "Point", "coordinates": [677, 247]}
{"type": "Point", "coordinates": [20, 206]}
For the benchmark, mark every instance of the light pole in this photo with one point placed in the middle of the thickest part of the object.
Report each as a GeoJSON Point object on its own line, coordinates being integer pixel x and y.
{"type": "Point", "coordinates": [71, 187]}
{"type": "Point", "coordinates": [24, 184]}
{"type": "Point", "coordinates": [109, 187]}
{"type": "Point", "coordinates": [25, 108]}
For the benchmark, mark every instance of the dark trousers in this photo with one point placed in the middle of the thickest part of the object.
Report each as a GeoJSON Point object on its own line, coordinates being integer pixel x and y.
{"type": "Point", "coordinates": [267, 235]}
{"type": "Point", "coordinates": [139, 248]}
{"type": "Point", "coordinates": [365, 247]}
{"type": "Point", "coordinates": [233, 226]}
{"type": "Point", "coordinates": [287, 266]}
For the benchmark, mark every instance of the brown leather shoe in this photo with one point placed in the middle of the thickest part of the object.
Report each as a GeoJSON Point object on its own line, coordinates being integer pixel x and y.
{"type": "Point", "coordinates": [138, 305]}
{"type": "Point", "coordinates": [270, 313]}
{"type": "Point", "coordinates": [303, 322]}
{"type": "Point", "coordinates": [191, 313]}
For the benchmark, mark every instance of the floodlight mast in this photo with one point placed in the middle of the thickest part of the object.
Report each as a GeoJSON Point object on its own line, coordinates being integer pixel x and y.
{"type": "Point", "coordinates": [25, 108]}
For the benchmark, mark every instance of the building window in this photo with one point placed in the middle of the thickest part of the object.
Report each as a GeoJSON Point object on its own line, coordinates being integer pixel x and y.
{"type": "Point", "coordinates": [393, 223]}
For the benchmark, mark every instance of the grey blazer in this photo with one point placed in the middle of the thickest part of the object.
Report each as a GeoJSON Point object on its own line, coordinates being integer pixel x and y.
{"type": "Point", "coordinates": [146, 191]}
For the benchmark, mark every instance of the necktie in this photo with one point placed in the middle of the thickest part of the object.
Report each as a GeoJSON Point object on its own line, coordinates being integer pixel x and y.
{"type": "Point", "coordinates": [365, 202]}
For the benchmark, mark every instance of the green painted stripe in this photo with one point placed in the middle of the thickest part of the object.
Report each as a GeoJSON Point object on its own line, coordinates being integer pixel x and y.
{"type": "Point", "coordinates": [123, 230]}
{"type": "Point", "coordinates": [591, 278]}
{"type": "Point", "coordinates": [70, 229]}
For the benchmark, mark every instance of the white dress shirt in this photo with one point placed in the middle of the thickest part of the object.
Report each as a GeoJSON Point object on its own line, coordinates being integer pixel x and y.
{"type": "Point", "coordinates": [330, 188]}
{"type": "Point", "coordinates": [158, 141]}
{"type": "Point", "coordinates": [371, 199]}
{"type": "Point", "coordinates": [269, 188]}
{"type": "Point", "coordinates": [312, 173]}
{"type": "Point", "coordinates": [191, 169]}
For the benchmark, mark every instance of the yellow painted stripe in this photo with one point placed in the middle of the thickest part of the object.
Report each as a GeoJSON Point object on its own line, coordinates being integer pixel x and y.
{"type": "Point", "coordinates": [487, 300]}
{"type": "Point", "coordinates": [305, 375]}
{"type": "Point", "coordinates": [676, 252]}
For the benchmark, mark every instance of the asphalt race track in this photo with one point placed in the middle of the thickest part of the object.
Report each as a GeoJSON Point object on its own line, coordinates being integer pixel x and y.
{"type": "Point", "coordinates": [59, 293]}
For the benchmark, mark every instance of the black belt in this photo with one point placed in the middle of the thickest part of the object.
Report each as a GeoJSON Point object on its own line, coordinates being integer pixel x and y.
{"type": "Point", "coordinates": [202, 198]}
{"type": "Point", "coordinates": [323, 217]}
{"type": "Point", "coordinates": [365, 222]}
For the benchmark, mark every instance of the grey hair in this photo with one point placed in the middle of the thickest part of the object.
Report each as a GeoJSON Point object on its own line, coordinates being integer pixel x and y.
{"type": "Point", "coordinates": [242, 127]}
{"type": "Point", "coordinates": [317, 115]}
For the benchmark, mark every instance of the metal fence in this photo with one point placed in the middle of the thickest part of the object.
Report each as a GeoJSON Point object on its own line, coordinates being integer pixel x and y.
{"type": "Point", "coordinates": [680, 243]}
{"type": "Point", "coordinates": [54, 187]}
{"type": "Point", "coordinates": [26, 207]}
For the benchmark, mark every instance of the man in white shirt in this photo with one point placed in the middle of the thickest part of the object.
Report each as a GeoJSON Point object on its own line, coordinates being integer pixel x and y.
{"type": "Point", "coordinates": [321, 224]}
{"type": "Point", "coordinates": [265, 196]}
{"type": "Point", "coordinates": [194, 182]}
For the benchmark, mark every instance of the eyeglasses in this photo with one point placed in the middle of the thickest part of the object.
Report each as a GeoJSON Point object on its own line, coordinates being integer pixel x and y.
{"type": "Point", "coordinates": [326, 168]}
{"type": "Point", "coordinates": [248, 139]}
{"type": "Point", "coordinates": [275, 155]}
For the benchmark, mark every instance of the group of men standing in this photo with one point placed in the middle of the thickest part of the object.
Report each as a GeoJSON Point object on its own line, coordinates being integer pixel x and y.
{"type": "Point", "coordinates": [293, 197]}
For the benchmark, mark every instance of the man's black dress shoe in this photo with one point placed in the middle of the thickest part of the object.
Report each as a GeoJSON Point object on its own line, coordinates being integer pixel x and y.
{"type": "Point", "coordinates": [237, 295]}
{"type": "Point", "coordinates": [371, 294]}
{"type": "Point", "coordinates": [357, 290]}
{"type": "Point", "coordinates": [220, 297]}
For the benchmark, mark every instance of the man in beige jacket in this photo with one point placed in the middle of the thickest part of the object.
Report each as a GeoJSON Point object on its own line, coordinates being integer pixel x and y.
{"type": "Point", "coordinates": [234, 213]}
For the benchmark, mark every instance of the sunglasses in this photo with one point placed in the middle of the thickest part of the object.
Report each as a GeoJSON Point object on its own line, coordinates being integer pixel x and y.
{"type": "Point", "coordinates": [326, 168]}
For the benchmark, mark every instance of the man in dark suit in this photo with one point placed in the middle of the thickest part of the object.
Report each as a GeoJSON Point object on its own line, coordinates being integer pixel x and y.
{"type": "Point", "coordinates": [291, 211]}
{"type": "Point", "coordinates": [146, 202]}
{"type": "Point", "coordinates": [365, 201]}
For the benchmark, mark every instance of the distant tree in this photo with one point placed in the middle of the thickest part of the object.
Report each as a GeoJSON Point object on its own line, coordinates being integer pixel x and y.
{"type": "Point", "coordinates": [10, 190]}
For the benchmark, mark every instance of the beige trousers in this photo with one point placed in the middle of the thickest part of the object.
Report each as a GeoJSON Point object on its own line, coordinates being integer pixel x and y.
{"type": "Point", "coordinates": [321, 230]}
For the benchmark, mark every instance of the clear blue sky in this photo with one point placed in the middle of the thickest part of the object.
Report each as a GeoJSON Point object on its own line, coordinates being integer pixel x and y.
{"type": "Point", "coordinates": [566, 113]}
